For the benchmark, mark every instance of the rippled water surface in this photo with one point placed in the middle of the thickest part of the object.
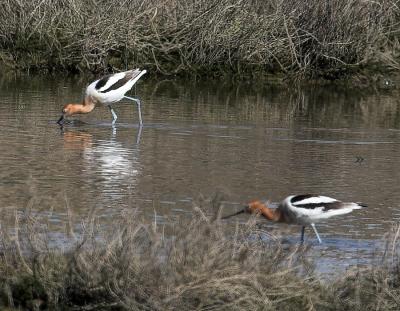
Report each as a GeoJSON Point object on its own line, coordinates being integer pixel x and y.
{"type": "Point", "coordinates": [243, 141]}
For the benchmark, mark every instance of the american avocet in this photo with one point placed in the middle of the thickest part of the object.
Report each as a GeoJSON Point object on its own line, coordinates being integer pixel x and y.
{"type": "Point", "coordinates": [107, 91]}
{"type": "Point", "coordinates": [306, 209]}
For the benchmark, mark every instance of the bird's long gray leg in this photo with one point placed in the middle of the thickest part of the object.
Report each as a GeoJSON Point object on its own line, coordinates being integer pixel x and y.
{"type": "Point", "coordinates": [115, 117]}
{"type": "Point", "coordinates": [316, 233]}
{"type": "Point", "coordinates": [137, 101]}
{"type": "Point", "coordinates": [302, 234]}
{"type": "Point", "coordinates": [139, 135]}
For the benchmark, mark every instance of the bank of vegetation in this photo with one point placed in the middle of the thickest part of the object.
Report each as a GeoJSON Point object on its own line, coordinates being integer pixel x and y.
{"type": "Point", "coordinates": [191, 262]}
{"type": "Point", "coordinates": [331, 39]}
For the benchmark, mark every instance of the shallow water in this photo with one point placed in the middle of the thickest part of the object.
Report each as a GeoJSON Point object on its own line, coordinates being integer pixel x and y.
{"type": "Point", "coordinates": [243, 141]}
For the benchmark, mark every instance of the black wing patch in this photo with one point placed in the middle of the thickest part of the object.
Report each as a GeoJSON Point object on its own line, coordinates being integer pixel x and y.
{"type": "Point", "coordinates": [121, 82]}
{"type": "Point", "coordinates": [102, 82]}
{"type": "Point", "coordinates": [301, 197]}
{"type": "Point", "coordinates": [325, 205]}
{"type": "Point", "coordinates": [117, 84]}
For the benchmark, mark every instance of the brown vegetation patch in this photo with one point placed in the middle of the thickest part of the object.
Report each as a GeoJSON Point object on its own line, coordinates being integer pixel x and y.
{"type": "Point", "coordinates": [329, 39]}
{"type": "Point", "coordinates": [195, 262]}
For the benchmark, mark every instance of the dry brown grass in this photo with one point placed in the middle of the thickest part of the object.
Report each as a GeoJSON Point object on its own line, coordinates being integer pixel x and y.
{"type": "Point", "coordinates": [194, 262]}
{"type": "Point", "coordinates": [302, 38]}
{"type": "Point", "coordinates": [375, 287]}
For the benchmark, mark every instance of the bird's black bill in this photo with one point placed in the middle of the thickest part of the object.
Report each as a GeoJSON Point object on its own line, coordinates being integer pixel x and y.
{"type": "Point", "coordinates": [61, 120]}
{"type": "Point", "coordinates": [237, 213]}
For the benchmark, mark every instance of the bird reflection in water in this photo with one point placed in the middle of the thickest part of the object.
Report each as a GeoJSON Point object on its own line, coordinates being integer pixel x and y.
{"type": "Point", "coordinates": [111, 165]}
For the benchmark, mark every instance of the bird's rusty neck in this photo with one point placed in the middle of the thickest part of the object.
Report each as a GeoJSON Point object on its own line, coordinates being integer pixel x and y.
{"type": "Point", "coordinates": [272, 214]}
{"type": "Point", "coordinates": [86, 106]}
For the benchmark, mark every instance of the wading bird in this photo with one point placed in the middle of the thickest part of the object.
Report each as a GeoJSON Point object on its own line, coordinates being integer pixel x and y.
{"type": "Point", "coordinates": [303, 210]}
{"type": "Point", "coordinates": [106, 91]}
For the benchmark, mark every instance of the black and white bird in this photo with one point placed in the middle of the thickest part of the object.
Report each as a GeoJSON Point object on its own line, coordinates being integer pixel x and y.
{"type": "Point", "coordinates": [306, 209]}
{"type": "Point", "coordinates": [106, 91]}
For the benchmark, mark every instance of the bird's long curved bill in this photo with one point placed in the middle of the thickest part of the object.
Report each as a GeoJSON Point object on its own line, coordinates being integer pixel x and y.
{"type": "Point", "coordinates": [61, 120]}
{"type": "Point", "coordinates": [237, 213]}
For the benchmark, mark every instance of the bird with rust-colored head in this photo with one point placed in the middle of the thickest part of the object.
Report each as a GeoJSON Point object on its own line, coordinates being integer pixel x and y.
{"type": "Point", "coordinates": [106, 91]}
{"type": "Point", "coordinates": [86, 106]}
{"type": "Point", "coordinates": [305, 209]}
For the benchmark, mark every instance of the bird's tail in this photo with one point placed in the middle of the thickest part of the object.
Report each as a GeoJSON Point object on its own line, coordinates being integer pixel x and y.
{"type": "Point", "coordinates": [354, 205]}
{"type": "Point", "coordinates": [136, 74]}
